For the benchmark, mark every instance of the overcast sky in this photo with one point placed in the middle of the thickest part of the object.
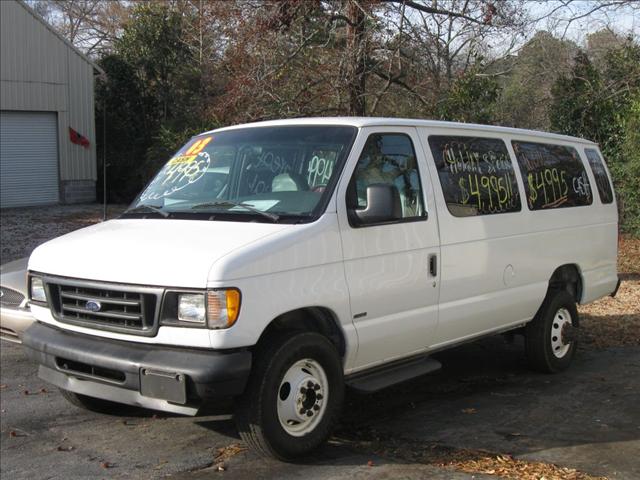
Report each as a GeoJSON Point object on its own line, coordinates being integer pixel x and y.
{"type": "Point", "coordinates": [624, 20]}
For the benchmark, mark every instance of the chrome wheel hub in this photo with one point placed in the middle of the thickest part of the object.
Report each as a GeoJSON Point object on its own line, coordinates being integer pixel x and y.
{"type": "Point", "coordinates": [302, 397]}
{"type": "Point", "coordinates": [560, 344]}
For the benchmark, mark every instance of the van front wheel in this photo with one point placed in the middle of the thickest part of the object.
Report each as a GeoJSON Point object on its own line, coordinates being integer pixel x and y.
{"type": "Point", "coordinates": [550, 336]}
{"type": "Point", "coordinates": [92, 404]}
{"type": "Point", "coordinates": [293, 397]}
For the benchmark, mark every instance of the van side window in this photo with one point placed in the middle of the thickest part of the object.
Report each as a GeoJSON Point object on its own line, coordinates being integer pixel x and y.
{"type": "Point", "coordinates": [600, 174]}
{"type": "Point", "coordinates": [389, 159]}
{"type": "Point", "coordinates": [553, 176]}
{"type": "Point", "coordinates": [476, 175]}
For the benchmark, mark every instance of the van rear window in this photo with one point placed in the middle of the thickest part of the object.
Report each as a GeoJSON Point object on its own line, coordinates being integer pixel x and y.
{"type": "Point", "coordinates": [476, 175]}
{"type": "Point", "coordinates": [600, 174]}
{"type": "Point", "coordinates": [553, 175]}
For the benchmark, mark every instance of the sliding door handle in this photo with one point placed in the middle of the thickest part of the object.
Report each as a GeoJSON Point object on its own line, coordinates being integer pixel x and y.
{"type": "Point", "coordinates": [433, 265]}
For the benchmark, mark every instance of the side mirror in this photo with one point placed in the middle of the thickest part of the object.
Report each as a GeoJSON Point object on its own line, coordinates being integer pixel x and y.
{"type": "Point", "coordinates": [383, 205]}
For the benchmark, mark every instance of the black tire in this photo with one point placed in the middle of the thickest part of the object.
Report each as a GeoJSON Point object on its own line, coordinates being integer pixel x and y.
{"type": "Point", "coordinates": [93, 404]}
{"type": "Point", "coordinates": [256, 412]}
{"type": "Point", "coordinates": [544, 327]}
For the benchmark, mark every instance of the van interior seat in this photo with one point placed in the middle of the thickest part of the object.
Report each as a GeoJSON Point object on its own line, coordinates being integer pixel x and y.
{"type": "Point", "coordinates": [288, 182]}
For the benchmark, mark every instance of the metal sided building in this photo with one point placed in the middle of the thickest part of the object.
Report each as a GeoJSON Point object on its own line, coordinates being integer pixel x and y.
{"type": "Point", "coordinates": [47, 124]}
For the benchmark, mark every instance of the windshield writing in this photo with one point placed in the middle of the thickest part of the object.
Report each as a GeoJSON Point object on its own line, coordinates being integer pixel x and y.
{"type": "Point", "coordinates": [281, 170]}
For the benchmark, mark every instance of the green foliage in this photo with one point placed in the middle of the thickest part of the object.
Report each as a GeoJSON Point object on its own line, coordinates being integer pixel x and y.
{"type": "Point", "coordinates": [601, 44]}
{"type": "Point", "coordinates": [579, 108]}
{"type": "Point", "coordinates": [532, 72]}
{"type": "Point", "coordinates": [151, 97]}
{"type": "Point", "coordinates": [152, 44]}
{"type": "Point", "coordinates": [120, 100]}
{"type": "Point", "coordinates": [625, 169]}
{"type": "Point", "coordinates": [472, 99]}
{"type": "Point", "coordinates": [166, 142]}
{"type": "Point", "coordinates": [604, 106]}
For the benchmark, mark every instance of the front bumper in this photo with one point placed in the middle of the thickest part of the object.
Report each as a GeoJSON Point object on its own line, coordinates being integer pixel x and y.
{"type": "Point", "coordinates": [13, 323]}
{"type": "Point", "coordinates": [112, 369]}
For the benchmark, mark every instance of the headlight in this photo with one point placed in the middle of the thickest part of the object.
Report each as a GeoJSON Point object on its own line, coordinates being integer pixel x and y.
{"type": "Point", "coordinates": [191, 308]}
{"type": "Point", "coordinates": [223, 307]}
{"type": "Point", "coordinates": [37, 290]}
{"type": "Point", "coordinates": [215, 309]}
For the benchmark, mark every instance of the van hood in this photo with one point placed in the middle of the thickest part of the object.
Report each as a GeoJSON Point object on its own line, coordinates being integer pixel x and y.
{"type": "Point", "coordinates": [157, 252]}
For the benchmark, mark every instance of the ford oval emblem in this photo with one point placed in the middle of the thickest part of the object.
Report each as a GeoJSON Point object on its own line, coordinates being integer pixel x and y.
{"type": "Point", "coordinates": [93, 306]}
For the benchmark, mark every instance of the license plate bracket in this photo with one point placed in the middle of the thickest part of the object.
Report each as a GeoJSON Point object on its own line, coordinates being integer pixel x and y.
{"type": "Point", "coordinates": [170, 386]}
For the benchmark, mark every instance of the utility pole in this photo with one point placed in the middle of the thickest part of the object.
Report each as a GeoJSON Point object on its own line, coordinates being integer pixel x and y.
{"type": "Point", "coordinates": [104, 161]}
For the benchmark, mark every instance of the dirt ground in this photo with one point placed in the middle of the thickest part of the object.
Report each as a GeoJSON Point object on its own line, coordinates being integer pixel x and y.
{"type": "Point", "coordinates": [484, 415]}
{"type": "Point", "coordinates": [615, 321]}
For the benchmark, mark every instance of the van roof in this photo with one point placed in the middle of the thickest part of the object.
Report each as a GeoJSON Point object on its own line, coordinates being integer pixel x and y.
{"type": "Point", "coordinates": [404, 122]}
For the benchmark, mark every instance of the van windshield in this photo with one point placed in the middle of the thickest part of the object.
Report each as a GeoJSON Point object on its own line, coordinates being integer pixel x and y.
{"type": "Point", "coordinates": [263, 173]}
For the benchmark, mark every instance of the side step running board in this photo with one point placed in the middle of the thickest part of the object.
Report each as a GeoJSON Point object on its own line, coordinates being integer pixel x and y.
{"type": "Point", "coordinates": [387, 375]}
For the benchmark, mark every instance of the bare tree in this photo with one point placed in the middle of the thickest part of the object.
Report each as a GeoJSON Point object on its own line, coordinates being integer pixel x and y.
{"type": "Point", "coordinates": [266, 58]}
{"type": "Point", "coordinates": [90, 25]}
{"type": "Point", "coordinates": [369, 49]}
{"type": "Point", "coordinates": [437, 42]}
{"type": "Point", "coordinates": [563, 16]}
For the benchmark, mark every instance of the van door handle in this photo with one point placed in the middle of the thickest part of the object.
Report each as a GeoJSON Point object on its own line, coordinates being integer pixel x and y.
{"type": "Point", "coordinates": [433, 265]}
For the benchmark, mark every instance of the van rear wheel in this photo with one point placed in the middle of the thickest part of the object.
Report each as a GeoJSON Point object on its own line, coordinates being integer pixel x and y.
{"type": "Point", "coordinates": [549, 338]}
{"type": "Point", "coordinates": [293, 397]}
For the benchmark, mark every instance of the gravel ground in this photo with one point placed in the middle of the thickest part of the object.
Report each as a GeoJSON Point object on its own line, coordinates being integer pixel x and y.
{"type": "Point", "coordinates": [23, 229]}
{"type": "Point", "coordinates": [483, 416]}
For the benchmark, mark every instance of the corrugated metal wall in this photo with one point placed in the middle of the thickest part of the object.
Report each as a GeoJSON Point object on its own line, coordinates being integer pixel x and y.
{"type": "Point", "coordinates": [29, 153]}
{"type": "Point", "coordinates": [40, 72]}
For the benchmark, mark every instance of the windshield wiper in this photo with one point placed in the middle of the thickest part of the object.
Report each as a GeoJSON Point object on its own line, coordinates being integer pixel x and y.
{"type": "Point", "coordinates": [151, 208]}
{"type": "Point", "coordinates": [226, 203]}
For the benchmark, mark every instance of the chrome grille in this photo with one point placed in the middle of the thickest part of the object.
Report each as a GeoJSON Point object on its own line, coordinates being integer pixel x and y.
{"type": "Point", "coordinates": [10, 298]}
{"type": "Point", "coordinates": [118, 308]}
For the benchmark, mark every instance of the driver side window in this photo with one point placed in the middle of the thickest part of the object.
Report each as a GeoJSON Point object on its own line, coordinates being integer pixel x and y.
{"type": "Point", "coordinates": [388, 159]}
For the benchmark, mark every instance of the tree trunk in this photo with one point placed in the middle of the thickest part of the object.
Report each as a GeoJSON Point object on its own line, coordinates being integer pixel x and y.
{"type": "Point", "coordinates": [356, 50]}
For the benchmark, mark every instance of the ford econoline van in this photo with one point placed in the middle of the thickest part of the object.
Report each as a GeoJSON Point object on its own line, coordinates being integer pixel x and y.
{"type": "Point", "coordinates": [276, 263]}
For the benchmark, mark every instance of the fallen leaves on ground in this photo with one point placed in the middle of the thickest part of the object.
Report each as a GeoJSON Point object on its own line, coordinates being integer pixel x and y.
{"type": "Point", "coordinates": [612, 322]}
{"type": "Point", "coordinates": [225, 453]}
{"type": "Point", "coordinates": [506, 466]}
{"type": "Point", "coordinates": [464, 460]}
{"type": "Point", "coordinates": [629, 255]}
{"type": "Point", "coordinates": [615, 321]}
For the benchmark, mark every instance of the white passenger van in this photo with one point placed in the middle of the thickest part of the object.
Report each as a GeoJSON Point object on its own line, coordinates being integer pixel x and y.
{"type": "Point", "coordinates": [277, 262]}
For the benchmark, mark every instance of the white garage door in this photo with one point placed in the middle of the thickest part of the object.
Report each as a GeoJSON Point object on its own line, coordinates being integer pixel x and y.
{"type": "Point", "coordinates": [28, 158]}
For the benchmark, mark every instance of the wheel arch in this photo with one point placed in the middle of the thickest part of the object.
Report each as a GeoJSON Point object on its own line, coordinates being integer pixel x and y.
{"type": "Point", "coordinates": [321, 320]}
{"type": "Point", "coordinates": [567, 277]}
